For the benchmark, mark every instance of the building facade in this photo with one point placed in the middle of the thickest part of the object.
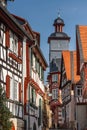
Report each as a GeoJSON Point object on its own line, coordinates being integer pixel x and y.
{"type": "Point", "coordinates": [81, 48]}
{"type": "Point", "coordinates": [35, 89]}
{"type": "Point", "coordinates": [69, 83]}
{"type": "Point", "coordinates": [11, 65]}
{"type": "Point", "coordinates": [71, 90]}
{"type": "Point", "coordinates": [58, 41]}
{"type": "Point", "coordinates": [22, 67]}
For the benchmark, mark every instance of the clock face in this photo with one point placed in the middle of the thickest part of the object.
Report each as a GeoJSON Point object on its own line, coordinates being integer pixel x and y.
{"type": "Point", "coordinates": [59, 45]}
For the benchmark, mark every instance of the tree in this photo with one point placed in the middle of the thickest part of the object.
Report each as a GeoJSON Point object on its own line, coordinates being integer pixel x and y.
{"type": "Point", "coordinates": [5, 114]}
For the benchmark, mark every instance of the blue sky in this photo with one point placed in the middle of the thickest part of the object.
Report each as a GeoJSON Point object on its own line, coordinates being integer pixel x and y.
{"type": "Point", "coordinates": [41, 14]}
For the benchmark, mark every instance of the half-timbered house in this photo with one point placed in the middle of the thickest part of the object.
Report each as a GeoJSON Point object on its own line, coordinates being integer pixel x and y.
{"type": "Point", "coordinates": [68, 86]}
{"type": "Point", "coordinates": [34, 66]}
{"type": "Point", "coordinates": [36, 85]}
{"type": "Point", "coordinates": [22, 67]}
{"type": "Point", "coordinates": [13, 41]}
{"type": "Point", "coordinates": [71, 88]}
{"type": "Point", "coordinates": [81, 48]}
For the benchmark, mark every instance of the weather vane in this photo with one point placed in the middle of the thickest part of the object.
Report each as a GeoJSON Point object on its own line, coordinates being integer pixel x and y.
{"type": "Point", "coordinates": [59, 13]}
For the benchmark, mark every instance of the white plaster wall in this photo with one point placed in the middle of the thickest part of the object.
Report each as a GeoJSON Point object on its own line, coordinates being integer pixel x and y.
{"type": "Point", "coordinates": [81, 116]}
{"type": "Point", "coordinates": [24, 65]}
{"type": "Point", "coordinates": [36, 78]}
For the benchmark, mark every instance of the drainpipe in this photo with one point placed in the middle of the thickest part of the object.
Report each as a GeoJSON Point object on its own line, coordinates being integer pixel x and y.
{"type": "Point", "coordinates": [29, 86]}
{"type": "Point", "coordinates": [35, 43]}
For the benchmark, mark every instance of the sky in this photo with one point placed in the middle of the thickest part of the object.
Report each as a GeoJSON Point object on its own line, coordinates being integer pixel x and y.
{"type": "Point", "coordinates": [41, 14]}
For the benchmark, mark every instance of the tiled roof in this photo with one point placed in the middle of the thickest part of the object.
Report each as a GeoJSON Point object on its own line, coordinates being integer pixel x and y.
{"type": "Point", "coordinates": [83, 41]}
{"type": "Point", "coordinates": [76, 77]}
{"type": "Point", "coordinates": [70, 64]}
{"type": "Point", "coordinates": [66, 58]}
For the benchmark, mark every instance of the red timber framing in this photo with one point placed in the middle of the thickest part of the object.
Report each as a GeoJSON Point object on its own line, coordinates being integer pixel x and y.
{"type": "Point", "coordinates": [12, 63]}
{"type": "Point", "coordinates": [7, 86]}
{"type": "Point", "coordinates": [37, 51]}
{"type": "Point", "coordinates": [14, 57]}
{"type": "Point", "coordinates": [85, 80]}
{"type": "Point", "coordinates": [25, 38]}
{"type": "Point", "coordinates": [13, 24]}
{"type": "Point", "coordinates": [27, 61]}
{"type": "Point", "coordinates": [81, 48]}
{"type": "Point", "coordinates": [7, 38]}
{"type": "Point", "coordinates": [28, 80]}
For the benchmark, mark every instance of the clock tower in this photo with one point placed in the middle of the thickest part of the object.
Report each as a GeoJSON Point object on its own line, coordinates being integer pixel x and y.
{"type": "Point", "coordinates": [58, 41]}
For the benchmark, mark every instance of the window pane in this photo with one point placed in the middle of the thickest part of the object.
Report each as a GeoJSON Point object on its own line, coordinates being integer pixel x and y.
{"type": "Point", "coordinates": [55, 78]}
{"type": "Point", "coordinates": [15, 90]}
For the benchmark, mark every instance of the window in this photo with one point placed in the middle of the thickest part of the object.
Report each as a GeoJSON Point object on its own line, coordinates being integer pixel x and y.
{"type": "Point", "coordinates": [54, 93]}
{"type": "Point", "coordinates": [13, 43]}
{"type": "Point", "coordinates": [1, 73]}
{"type": "Point", "coordinates": [79, 91]}
{"type": "Point", "coordinates": [33, 60]}
{"type": "Point", "coordinates": [16, 109]}
{"type": "Point", "coordinates": [2, 30]}
{"type": "Point", "coordinates": [14, 89]}
{"type": "Point", "coordinates": [55, 78]}
{"type": "Point", "coordinates": [32, 95]}
{"type": "Point", "coordinates": [15, 46]}
{"type": "Point", "coordinates": [20, 111]}
{"type": "Point", "coordinates": [42, 74]}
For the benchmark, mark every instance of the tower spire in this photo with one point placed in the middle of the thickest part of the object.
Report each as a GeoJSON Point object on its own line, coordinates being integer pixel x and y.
{"type": "Point", "coordinates": [59, 13]}
{"type": "Point", "coordinates": [58, 23]}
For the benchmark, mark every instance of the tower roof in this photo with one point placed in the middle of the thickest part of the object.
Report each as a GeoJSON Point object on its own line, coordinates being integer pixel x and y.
{"type": "Point", "coordinates": [58, 34]}
{"type": "Point", "coordinates": [58, 21]}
